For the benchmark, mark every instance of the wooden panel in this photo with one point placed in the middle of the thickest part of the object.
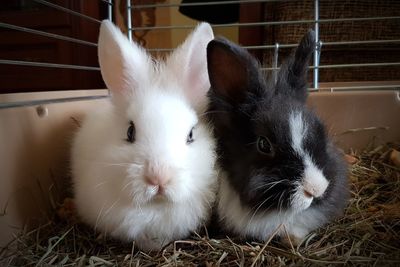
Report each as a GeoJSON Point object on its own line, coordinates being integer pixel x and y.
{"type": "Point", "coordinates": [16, 45]}
{"type": "Point", "coordinates": [251, 35]}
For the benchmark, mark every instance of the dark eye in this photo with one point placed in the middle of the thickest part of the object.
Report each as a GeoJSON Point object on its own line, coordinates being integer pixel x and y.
{"type": "Point", "coordinates": [190, 139]}
{"type": "Point", "coordinates": [264, 146]}
{"type": "Point", "coordinates": [130, 134]}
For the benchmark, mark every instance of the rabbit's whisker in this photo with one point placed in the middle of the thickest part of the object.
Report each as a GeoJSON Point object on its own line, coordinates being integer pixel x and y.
{"type": "Point", "coordinates": [259, 206]}
{"type": "Point", "coordinates": [280, 201]}
{"type": "Point", "coordinates": [112, 206]}
{"type": "Point", "coordinates": [100, 184]}
{"type": "Point", "coordinates": [213, 112]}
{"type": "Point", "coordinates": [267, 185]}
{"type": "Point", "coordinates": [99, 217]}
{"type": "Point", "coordinates": [114, 163]}
{"type": "Point", "coordinates": [127, 184]}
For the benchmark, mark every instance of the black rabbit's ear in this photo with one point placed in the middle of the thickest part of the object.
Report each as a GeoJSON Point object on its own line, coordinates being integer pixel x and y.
{"type": "Point", "coordinates": [231, 69]}
{"type": "Point", "coordinates": [292, 78]}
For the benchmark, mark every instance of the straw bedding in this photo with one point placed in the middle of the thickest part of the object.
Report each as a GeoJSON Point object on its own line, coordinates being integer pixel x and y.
{"type": "Point", "coordinates": [367, 235]}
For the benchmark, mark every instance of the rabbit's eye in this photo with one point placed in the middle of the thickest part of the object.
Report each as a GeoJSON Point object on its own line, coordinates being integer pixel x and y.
{"type": "Point", "coordinates": [264, 146]}
{"type": "Point", "coordinates": [130, 134]}
{"type": "Point", "coordinates": [190, 139]}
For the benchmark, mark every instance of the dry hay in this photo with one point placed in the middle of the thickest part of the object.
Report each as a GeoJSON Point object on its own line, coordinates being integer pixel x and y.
{"type": "Point", "coordinates": [368, 234]}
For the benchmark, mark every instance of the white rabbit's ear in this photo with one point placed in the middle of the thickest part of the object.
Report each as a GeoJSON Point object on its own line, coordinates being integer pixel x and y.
{"type": "Point", "coordinates": [189, 62]}
{"type": "Point", "coordinates": [124, 65]}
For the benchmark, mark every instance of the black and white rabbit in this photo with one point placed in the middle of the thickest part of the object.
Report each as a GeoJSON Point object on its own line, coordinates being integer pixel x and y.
{"type": "Point", "coordinates": [280, 170]}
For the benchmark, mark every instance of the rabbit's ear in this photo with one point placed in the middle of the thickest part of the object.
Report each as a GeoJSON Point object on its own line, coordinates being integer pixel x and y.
{"type": "Point", "coordinates": [292, 78]}
{"type": "Point", "coordinates": [232, 70]}
{"type": "Point", "coordinates": [124, 65]}
{"type": "Point", "coordinates": [189, 64]}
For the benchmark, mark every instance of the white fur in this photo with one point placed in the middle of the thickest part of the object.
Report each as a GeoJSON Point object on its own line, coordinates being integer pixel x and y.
{"type": "Point", "coordinates": [299, 201]}
{"type": "Point", "coordinates": [108, 172]}
{"type": "Point", "coordinates": [313, 181]}
{"type": "Point", "coordinates": [298, 130]}
{"type": "Point", "coordinates": [299, 220]}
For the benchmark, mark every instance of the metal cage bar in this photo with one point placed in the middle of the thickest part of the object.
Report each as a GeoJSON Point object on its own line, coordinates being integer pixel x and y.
{"type": "Point", "coordinates": [254, 47]}
{"type": "Point", "coordinates": [46, 34]}
{"type": "Point", "coordinates": [46, 64]}
{"type": "Point", "coordinates": [354, 65]}
{"type": "Point", "coordinates": [168, 5]}
{"type": "Point", "coordinates": [49, 101]}
{"type": "Point", "coordinates": [129, 19]}
{"type": "Point", "coordinates": [277, 46]}
{"type": "Point", "coordinates": [317, 47]}
{"type": "Point", "coordinates": [109, 9]}
{"type": "Point", "coordinates": [67, 10]}
{"type": "Point", "coordinates": [267, 23]}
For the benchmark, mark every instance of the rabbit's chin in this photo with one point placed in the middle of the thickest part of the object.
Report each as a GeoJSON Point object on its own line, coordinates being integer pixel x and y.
{"type": "Point", "coordinates": [296, 221]}
{"type": "Point", "coordinates": [157, 196]}
{"type": "Point", "coordinates": [300, 202]}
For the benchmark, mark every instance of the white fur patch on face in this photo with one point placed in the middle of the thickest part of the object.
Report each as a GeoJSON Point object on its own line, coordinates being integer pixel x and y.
{"type": "Point", "coordinates": [314, 180]}
{"type": "Point", "coordinates": [299, 200]}
{"type": "Point", "coordinates": [163, 122]}
{"type": "Point", "coordinates": [298, 130]}
{"type": "Point", "coordinates": [313, 183]}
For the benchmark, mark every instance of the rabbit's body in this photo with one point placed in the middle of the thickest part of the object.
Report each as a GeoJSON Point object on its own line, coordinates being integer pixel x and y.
{"type": "Point", "coordinates": [143, 165]}
{"type": "Point", "coordinates": [115, 203]}
{"type": "Point", "coordinates": [281, 172]}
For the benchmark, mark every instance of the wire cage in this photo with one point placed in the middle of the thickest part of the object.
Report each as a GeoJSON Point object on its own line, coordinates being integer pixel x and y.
{"type": "Point", "coordinates": [49, 72]}
{"type": "Point", "coordinates": [269, 29]}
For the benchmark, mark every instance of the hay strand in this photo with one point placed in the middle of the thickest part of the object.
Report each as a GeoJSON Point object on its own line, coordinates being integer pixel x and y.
{"type": "Point", "coordinates": [367, 235]}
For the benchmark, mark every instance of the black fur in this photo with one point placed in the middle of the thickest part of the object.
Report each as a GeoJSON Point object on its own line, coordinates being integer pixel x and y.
{"type": "Point", "coordinates": [243, 106]}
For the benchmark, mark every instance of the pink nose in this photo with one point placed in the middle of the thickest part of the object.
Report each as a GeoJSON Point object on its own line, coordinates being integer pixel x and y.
{"type": "Point", "coordinates": [157, 174]}
{"type": "Point", "coordinates": [156, 179]}
{"type": "Point", "coordinates": [308, 194]}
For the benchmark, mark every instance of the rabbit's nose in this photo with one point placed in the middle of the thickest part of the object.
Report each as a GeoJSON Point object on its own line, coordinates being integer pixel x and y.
{"type": "Point", "coordinates": [160, 180]}
{"type": "Point", "coordinates": [314, 181]}
{"type": "Point", "coordinates": [157, 174]}
{"type": "Point", "coordinates": [307, 193]}
{"type": "Point", "coordinates": [315, 188]}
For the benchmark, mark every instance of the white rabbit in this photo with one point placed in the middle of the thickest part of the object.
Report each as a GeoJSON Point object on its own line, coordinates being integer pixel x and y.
{"type": "Point", "coordinates": [143, 163]}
